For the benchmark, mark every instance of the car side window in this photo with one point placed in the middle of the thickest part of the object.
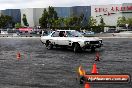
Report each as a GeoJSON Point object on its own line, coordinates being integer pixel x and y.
{"type": "Point", "coordinates": [62, 34]}
{"type": "Point", "coordinates": [69, 34]}
{"type": "Point", "coordinates": [55, 34]}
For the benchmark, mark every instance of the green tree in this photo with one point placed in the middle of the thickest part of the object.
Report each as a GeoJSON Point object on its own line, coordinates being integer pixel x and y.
{"type": "Point", "coordinates": [72, 21]}
{"type": "Point", "coordinates": [5, 20]}
{"type": "Point", "coordinates": [80, 19]}
{"type": "Point", "coordinates": [121, 21]}
{"type": "Point", "coordinates": [81, 16]}
{"type": "Point", "coordinates": [66, 22]}
{"type": "Point", "coordinates": [25, 20]}
{"type": "Point", "coordinates": [129, 21]}
{"type": "Point", "coordinates": [58, 22]}
{"type": "Point", "coordinates": [18, 25]}
{"type": "Point", "coordinates": [102, 23]}
{"type": "Point", "coordinates": [76, 21]}
{"type": "Point", "coordinates": [52, 16]}
{"type": "Point", "coordinates": [48, 18]}
{"type": "Point", "coordinates": [92, 21]}
{"type": "Point", "coordinates": [44, 19]}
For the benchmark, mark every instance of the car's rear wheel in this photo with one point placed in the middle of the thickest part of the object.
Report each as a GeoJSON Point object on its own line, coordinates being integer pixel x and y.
{"type": "Point", "coordinates": [49, 45]}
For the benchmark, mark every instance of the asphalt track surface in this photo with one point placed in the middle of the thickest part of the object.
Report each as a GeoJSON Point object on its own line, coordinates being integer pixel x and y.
{"type": "Point", "coordinates": [57, 68]}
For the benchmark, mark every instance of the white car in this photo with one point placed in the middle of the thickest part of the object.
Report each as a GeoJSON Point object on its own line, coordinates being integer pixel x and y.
{"type": "Point", "coordinates": [4, 32]}
{"type": "Point", "coordinates": [72, 39]}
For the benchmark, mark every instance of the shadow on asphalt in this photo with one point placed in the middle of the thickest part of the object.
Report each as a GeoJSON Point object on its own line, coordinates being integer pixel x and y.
{"type": "Point", "coordinates": [88, 51]}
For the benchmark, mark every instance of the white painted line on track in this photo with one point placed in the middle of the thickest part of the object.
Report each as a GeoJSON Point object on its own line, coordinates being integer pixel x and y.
{"type": "Point", "coordinates": [115, 37]}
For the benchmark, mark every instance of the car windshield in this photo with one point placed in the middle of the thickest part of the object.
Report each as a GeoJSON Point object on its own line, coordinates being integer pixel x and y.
{"type": "Point", "coordinates": [74, 34]}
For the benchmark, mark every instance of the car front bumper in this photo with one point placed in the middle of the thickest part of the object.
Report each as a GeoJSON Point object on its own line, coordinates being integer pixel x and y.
{"type": "Point", "coordinates": [90, 46]}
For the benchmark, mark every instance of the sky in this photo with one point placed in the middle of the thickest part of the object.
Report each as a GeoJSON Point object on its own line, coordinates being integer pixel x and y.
{"type": "Point", "coordinates": [18, 4]}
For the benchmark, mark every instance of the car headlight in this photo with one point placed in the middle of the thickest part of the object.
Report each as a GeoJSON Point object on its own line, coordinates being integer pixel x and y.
{"type": "Point", "coordinates": [86, 42]}
{"type": "Point", "coordinates": [100, 41]}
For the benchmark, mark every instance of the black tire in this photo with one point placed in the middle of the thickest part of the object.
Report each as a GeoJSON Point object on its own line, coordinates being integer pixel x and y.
{"type": "Point", "coordinates": [82, 80]}
{"type": "Point", "coordinates": [49, 45]}
{"type": "Point", "coordinates": [76, 48]}
{"type": "Point", "coordinates": [93, 49]}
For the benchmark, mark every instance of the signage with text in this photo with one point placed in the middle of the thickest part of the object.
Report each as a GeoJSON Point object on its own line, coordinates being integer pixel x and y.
{"type": "Point", "coordinates": [114, 9]}
{"type": "Point", "coordinates": [108, 78]}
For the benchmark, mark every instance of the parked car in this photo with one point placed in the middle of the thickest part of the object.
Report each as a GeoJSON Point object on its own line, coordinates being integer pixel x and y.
{"type": "Point", "coordinates": [72, 39]}
{"type": "Point", "coordinates": [88, 33]}
{"type": "Point", "coordinates": [46, 32]}
{"type": "Point", "coordinates": [33, 32]}
{"type": "Point", "coordinates": [4, 31]}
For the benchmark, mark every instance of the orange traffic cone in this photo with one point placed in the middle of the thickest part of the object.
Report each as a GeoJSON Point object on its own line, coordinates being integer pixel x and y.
{"type": "Point", "coordinates": [94, 70]}
{"type": "Point", "coordinates": [18, 55]}
{"type": "Point", "coordinates": [97, 57]}
{"type": "Point", "coordinates": [81, 71]}
{"type": "Point", "coordinates": [87, 85]}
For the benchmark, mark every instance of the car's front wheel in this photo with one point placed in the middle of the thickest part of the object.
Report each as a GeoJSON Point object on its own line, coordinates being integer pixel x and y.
{"type": "Point", "coordinates": [93, 49]}
{"type": "Point", "coordinates": [76, 48]}
{"type": "Point", "coordinates": [49, 45]}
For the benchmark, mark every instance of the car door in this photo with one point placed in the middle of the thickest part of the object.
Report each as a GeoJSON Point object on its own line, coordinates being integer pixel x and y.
{"type": "Point", "coordinates": [55, 37]}
{"type": "Point", "coordinates": [63, 39]}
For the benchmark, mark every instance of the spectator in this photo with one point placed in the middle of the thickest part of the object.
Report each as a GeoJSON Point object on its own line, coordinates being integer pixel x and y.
{"type": "Point", "coordinates": [62, 34]}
